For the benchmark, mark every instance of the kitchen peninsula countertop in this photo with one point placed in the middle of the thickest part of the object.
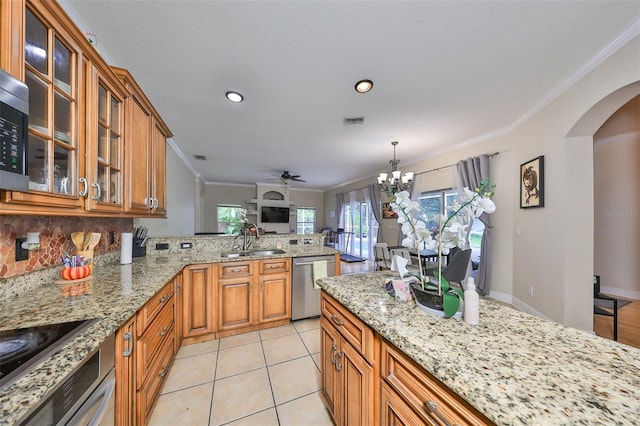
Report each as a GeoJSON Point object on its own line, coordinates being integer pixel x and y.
{"type": "Point", "coordinates": [116, 293]}
{"type": "Point", "coordinates": [515, 368]}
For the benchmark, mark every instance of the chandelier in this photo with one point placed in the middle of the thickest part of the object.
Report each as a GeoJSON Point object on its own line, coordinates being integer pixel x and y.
{"type": "Point", "coordinates": [390, 185]}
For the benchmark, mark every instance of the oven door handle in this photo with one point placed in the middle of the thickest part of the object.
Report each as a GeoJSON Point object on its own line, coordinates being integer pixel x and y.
{"type": "Point", "coordinates": [104, 395]}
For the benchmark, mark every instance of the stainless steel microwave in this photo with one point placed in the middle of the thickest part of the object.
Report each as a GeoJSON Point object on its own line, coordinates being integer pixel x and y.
{"type": "Point", "coordinates": [14, 117]}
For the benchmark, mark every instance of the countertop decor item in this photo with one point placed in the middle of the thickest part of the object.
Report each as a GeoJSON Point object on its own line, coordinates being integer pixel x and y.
{"type": "Point", "coordinates": [452, 233]}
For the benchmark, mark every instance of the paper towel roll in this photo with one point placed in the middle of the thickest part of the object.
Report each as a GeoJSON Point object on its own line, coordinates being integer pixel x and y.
{"type": "Point", "coordinates": [126, 247]}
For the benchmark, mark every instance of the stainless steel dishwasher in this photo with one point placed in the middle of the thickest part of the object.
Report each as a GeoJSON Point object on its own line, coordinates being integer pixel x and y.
{"type": "Point", "coordinates": [305, 299]}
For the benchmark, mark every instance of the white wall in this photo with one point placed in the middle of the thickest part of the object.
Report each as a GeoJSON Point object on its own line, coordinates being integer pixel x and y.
{"type": "Point", "coordinates": [181, 201]}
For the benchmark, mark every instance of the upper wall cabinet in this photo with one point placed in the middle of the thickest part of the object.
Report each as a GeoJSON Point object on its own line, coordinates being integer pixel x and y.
{"type": "Point", "coordinates": [96, 145]}
{"type": "Point", "coordinates": [145, 151]}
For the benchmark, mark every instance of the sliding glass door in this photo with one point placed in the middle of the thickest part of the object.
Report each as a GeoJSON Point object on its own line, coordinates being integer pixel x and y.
{"type": "Point", "coordinates": [360, 230]}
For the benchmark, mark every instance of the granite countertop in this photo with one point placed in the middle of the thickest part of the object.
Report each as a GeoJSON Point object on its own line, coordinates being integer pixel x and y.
{"type": "Point", "coordinates": [515, 368]}
{"type": "Point", "coordinates": [115, 294]}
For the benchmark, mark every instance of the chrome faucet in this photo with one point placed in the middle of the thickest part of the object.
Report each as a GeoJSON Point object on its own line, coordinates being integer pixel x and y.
{"type": "Point", "coordinates": [247, 238]}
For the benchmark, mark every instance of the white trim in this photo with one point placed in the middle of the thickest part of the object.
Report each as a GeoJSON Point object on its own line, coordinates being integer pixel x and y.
{"type": "Point", "coordinates": [528, 309]}
{"type": "Point", "coordinates": [245, 185]}
{"type": "Point", "coordinates": [501, 297]}
{"type": "Point", "coordinates": [618, 138]}
{"type": "Point", "coordinates": [181, 155]}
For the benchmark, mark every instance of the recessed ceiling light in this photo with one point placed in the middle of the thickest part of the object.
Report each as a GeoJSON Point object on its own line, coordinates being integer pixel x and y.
{"type": "Point", "coordinates": [234, 97]}
{"type": "Point", "coordinates": [363, 86]}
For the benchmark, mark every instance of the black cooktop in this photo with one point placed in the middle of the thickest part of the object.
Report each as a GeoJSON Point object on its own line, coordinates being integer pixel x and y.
{"type": "Point", "coordinates": [22, 348]}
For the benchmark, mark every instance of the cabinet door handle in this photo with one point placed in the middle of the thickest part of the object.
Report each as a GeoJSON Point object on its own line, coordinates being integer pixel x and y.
{"type": "Point", "coordinates": [433, 407]}
{"type": "Point", "coordinates": [333, 359]}
{"type": "Point", "coordinates": [164, 298]}
{"type": "Point", "coordinates": [148, 202]}
{"type": "Point", "coordinates": [84, 191]}
{"type": "Point", "coordinates": [96, 185]}
{"type": "Point", "coordinates": [128, 337]}
{"type": "Point", "coordinates": [178, 289]}
{"type": "Point", "coordinates": [164, 330]}
{"type": "Point", "coordinates": [338, 365]}
{"type": "Point", "coordinates": [163, 371]}
{"type": "Point", "coordinates": [335, 319]}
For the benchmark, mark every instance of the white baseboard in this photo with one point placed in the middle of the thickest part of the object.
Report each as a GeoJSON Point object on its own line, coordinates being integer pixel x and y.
{"type": "Point", "coordinates": [613, 291]}
{"type": "Point", "coordinates": [500, 297]}
{"type": "Point", "coordinates": [528, 309]}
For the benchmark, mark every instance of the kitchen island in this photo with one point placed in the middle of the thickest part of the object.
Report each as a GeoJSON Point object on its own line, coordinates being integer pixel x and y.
{"type": "Point", "coordinates": [514, 368]}
{"type": "Point", "coordinates": [114, 294]}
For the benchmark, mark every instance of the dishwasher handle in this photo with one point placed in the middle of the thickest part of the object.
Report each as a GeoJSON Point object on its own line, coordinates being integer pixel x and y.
{"type": "Point", "coordinates": [311, 263]}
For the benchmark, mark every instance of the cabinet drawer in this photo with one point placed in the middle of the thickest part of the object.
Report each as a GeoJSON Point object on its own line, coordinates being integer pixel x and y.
{"type": "Point", "coordinates": [419, 390]}
{"type": "Point", "coordinates": [275, 266]}
{"type": "Point", "coordinates": [352, 329]}
{"type": "Point", "coordinates": [148, 345]}
{"type": "Point", "coordinates": [147, 396]}
{"type": "Point", "coordinates": [151, 309]}
{"type": "Point", "coordinates": [234, 269]}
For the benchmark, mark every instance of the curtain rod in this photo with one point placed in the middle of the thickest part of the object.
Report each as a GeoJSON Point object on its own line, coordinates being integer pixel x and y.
{"type": "Point", "coordinates": [450, 165]}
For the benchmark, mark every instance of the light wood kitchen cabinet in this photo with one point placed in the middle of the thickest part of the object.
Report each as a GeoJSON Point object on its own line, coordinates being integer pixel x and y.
{"type": "Point", "coordinates": [125, 373]}
{"type": "Point", "coordinates": [253, 294]}
{"type": "Point", "coordinates": [155, 349]}
{"type": "Point", "coordinates": [12, 37]}
{"type": "Point", "coordinates": [199, 301]}
{"type": "Point", "coordinates": [145, 151]}
{"type": "Point", "coordinates": [412, 392]}
{"type": "Point", "coordinates": [348, 374]}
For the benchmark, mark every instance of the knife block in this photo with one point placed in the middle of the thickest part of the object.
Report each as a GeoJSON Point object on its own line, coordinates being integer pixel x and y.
{"type": "Point", "coordinates": [138, 250]}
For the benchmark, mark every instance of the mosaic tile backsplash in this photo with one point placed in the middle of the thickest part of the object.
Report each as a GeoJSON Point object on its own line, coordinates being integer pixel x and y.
{"type": "Point", "coordinates": [55, 239]}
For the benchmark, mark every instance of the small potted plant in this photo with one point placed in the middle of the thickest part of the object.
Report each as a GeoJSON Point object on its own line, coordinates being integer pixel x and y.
{"type": "Point", "coordinates": [452, 232]}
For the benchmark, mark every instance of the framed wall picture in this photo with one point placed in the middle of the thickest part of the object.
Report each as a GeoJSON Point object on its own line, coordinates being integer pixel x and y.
{"type": "Point", "coordinates": [532, 183]}
{"type": "Point", "coordinates": [387, 211]}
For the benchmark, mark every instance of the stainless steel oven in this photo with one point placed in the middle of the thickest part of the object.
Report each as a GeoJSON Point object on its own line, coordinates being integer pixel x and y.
{"type": "Point", "coordinates": [86, 397]}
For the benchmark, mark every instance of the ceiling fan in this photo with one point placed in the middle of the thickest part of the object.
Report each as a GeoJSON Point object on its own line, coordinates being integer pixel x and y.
{"type": "Point", "coordinates": [286, 177]}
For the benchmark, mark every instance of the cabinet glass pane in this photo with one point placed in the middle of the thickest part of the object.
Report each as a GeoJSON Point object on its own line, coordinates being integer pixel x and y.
{"type": "Point", "coordinates": [113, 160]}
{"type": "Point", "coordinates": [38, 173]}
{"type": "Point", "coordinates": [103, 144]}
{"type": "Point", "coordinates": [61, 170]}
{"type": "Point", "coordinates": [38, 103]}
{"type": "Point", "coordinates": [35, 49]}
{"type": "Point", "coordinates": [62, 67]}
{"type": "Point", "coordinates": [115, 115]}
{"type": "Point", "coordinates": [102, 104]}
{"type": "Point", "coordinates": [62, 119]}
{"type": "Point", "coordinates": [113, 191]}
{"type": "Point", "coordinates": [103, 181]}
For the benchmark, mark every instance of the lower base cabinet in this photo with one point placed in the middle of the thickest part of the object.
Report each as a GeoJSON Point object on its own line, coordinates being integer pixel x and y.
{"type": "Point", "coordinates": [125, 373]}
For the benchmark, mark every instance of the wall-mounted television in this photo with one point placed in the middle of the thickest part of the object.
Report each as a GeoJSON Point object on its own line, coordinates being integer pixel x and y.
{"type": "Point", "coordinates": [275, 214]}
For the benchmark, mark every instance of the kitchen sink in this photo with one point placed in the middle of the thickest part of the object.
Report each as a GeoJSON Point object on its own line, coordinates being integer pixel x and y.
{"type": "Point", "coordinates": [246, 253]}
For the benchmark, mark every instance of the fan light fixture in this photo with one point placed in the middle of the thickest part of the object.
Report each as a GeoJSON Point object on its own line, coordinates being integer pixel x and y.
{"type": "Point", "coordinates": [363, 86]}
{"type": "Point", "coordinates": [234, 97]}
{"type": "Point", "coordinates": [391, 184]}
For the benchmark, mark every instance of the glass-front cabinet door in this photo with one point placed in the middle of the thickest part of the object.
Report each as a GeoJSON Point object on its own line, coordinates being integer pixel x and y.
{"type": "Point", "coordinates": [104, 171]}
{"type": "Point", "coordinates": [52, 74]}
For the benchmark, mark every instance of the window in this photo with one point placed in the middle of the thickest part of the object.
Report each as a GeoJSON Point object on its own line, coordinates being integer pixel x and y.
{"type": "Point", "coordinates": [229, 219]}
{"type": "Point", "coordinates": [434, 203]}
{"type": "Point", "coordinates": [306, 220]}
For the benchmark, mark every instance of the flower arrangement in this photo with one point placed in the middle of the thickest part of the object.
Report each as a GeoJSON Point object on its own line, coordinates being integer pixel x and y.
{"type": "Point", "coordinates": [452, 233]}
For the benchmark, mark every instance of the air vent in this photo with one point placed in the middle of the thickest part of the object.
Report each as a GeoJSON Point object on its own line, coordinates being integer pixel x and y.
{"type": "Point", "coordinates": [353, 120]}
{"type": "Point", "coordinates": [200, 157]}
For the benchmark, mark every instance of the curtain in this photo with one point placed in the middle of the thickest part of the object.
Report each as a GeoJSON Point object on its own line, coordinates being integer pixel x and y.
{"type": "Point", "coordinates": [470, 173]}
{"type": "Point", "coordinates": [372, 196]}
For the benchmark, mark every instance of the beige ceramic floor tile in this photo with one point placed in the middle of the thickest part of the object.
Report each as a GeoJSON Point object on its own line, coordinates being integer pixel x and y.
{"type": "Point", "coordinates": [307, 324]}
{"type": "Point", "coordinates": [272, 333]}
{"type": "Point", "coordinates": [187, 372]}
{"type": "Point", "coordinates": [263, 418]}
{"type": "Point", "coordinates": [316, 359]}
{"type": "Point", "coordinates": [293, 379]}
{"type": "Point", "coordinates": [239, 359]}
{"type": "Point", "coordinates": [308, 411]}
{"type": "Point", "coordinates": [186, 407]}
{"type": "Point", "coordinates": [239, 339]}
{"type": "Point", "coordinates": [198, 349]}
{"type": "Point", "coordinates": [241, 395]}
{"type": "Point", "coordinates": [311, 340]}
{"type": "Point", "coordinates": [283, 349]}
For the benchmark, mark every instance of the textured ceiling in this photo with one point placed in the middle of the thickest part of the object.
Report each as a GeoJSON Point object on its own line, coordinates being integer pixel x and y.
{"type": "Point", "coordinates": [445, 74]}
